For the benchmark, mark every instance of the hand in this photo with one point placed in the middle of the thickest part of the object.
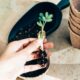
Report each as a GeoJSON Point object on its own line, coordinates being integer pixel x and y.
{"type": "Point", "coordinates": [16, 55]}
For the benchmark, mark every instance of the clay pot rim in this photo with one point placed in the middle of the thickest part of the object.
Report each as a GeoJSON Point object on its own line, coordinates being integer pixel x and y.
{"type": "Point", "coordinates": [71, 13]}
{"type": "Point", "coordinates": [76, 25]}
{"type": "Point", "coordinates": [73, 8]}
{"type": "Point", "coordinates": [72, 26]}
{"type": "Point", "coordinates": [70, 29]}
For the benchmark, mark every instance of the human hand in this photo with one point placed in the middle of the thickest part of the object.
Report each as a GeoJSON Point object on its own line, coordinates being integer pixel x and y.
{"type": "Point", "coordinates": [16, 55]}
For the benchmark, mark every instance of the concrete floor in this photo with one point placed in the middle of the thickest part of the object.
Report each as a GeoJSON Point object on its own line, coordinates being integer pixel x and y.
{"type": "Point", "coordinates": [60, 72]}
{"type": "Point", "coordinates": [65, 58]}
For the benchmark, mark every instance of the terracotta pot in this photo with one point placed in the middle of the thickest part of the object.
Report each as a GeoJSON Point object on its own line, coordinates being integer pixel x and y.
{"type": "Point", "coordinates": [75, 39]}
{"type": "Point", "coordinates": [75, 6]}
{"type": "Point", "coordinates": [74, 28]}
{"type": "Point", "coordinates": [74, 23]}
{"type": "Point", "coordinates": [76, 19]}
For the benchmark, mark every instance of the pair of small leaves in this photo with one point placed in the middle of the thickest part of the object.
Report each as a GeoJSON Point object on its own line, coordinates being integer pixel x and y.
{"type": "Point", "coordinates": [44, 18]}
{"type": "Point", "coordinates": [39, 23]}
{"type": "Point", "coordinates": [48, 17]}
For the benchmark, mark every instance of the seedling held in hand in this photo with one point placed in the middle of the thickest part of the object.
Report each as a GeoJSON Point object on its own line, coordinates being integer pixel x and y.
{"type": "Point", "coordinates": [42, 60]}
{"type": "Point", "coordinates": [43, 19]}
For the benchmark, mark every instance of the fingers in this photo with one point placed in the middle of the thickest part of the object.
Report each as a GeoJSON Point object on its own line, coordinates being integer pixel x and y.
{"type": "Point", "coordinates": [23, 43]}
{"type": "Point", "coordinates": [49, 53]}
{"type": "Point", "coordinates": [25, 53]}
{"type": "Point", "coordinates": [16, 46]}
{"type": "Point", "coordinates": [31, 47]}
{"type": "Point", "coordinates": [48, 45]}
{"type": "Point", "coordinates": [26, 41]}
{"type": "Point", "coordinates": [45, 41]}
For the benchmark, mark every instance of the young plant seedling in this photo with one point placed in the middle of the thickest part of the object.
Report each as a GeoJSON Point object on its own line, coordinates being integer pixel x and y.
{"type": "Point", "coordinates": [43, 19]}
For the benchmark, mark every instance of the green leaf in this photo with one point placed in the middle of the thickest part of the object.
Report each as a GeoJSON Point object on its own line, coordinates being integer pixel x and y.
{"type": "Point", "coordinates": [40, 18]}
{"type": "Point", "coordinates": [46, 14]}
{"type": "Point", "coordinates": [40, 24]}
{"type": "Point", "coordinates": [44, 19]}
{"type": "Point", "coordinates": [48, 20]}
{"type": "Point", "coordinates": [41, 14]}
{"type": "Point", "coordinates": [50, 16]}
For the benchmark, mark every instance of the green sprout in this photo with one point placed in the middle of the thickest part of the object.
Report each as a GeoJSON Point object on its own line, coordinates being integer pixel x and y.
{"type": "Point", "coordinates": [43, 19]}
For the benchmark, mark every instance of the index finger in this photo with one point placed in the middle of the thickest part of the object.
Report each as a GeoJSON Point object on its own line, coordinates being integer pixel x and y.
{"type": "Point", "coordinates": [31, 47]}
{"type": "Point", "coordinates": [25, 53]}
{"type": "Point", "coordinates": [25, 41]}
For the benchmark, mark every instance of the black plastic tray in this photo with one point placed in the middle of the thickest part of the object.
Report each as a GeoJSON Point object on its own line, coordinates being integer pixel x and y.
{"type": "Point", "coordinates": [26, 27]}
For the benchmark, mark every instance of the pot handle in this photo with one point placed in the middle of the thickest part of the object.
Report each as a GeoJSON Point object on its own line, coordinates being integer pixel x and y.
{"type": "Point", "coordinates": [63, 4]}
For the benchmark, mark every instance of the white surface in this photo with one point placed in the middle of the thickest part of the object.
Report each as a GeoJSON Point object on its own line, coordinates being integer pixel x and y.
{"type": "Point", "coordinates": [63, 52]}
{"type": "Point", "coordinates": [47, 77]}
{"type": "Point", "coordinates": [54, 1]}
{"type": "Point", "coordinates": [68, 55]}
{"type": "Point", "coordinates": [43, 77]}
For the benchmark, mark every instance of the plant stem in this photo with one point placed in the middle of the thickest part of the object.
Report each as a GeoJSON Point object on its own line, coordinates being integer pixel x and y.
{"type": "Point", "coordinates": [44, 22]}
